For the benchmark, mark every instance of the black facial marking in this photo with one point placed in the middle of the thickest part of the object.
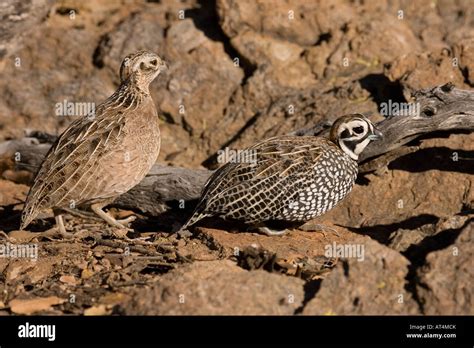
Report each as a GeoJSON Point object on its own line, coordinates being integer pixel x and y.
{"type": "Point", "coordinates": [350, 144]}
{"type": "Point", "coordinates": [358, 130]}
{"type": "Point", "coordinates": [345, 134]}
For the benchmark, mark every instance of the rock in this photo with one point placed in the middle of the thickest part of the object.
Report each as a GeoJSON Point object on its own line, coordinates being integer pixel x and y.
{"type": "Point", "coordinates": [284, 58]}
{"type": "Point", "coordinates": [367, 285]}
{"type": "Point", "coordinates": [33, 305]}
{"type": "Point", "coordinates": [280, 30]}
{"type": "Point", "coordinates": [361, 48]}
{"type": "Point", "coordinates": [294, 21]}
{"type": "Point", "coordinates": [62, 69]}
{"type": "Point", "coordinates": [263, 49]}
{"type": "Point", "coordinates": [402, 239]}
{"type": "Point", "coordinates": [464, 50]}
{"type": "Point", "coordinates": [68, 279]}
{"type": "Point", "coordinates": [28, 270]}
{"type": "Point", "coordinates": [445, 281]}
{"type": "Point", "coordinates": [18, 19]}
{"type": "Point", "coordinates": [11, 193]}
{"type": "Point", "coordinates": [198, 90]}
{"type": "Point", "coordinates": [218, 288]}
{"type": "Point", "coordinates": [456, 21]}
{"type": "Point", "coordinates": [295, 253]}
{"type": "Point", "coordinates": [97, 310]}
{"type": "Point", "coordinates": [380, 29]}
{"type": "Point", "coordinates": [21, 236]}
{"type": "Point", "coordinates": [426, 22]}
{"type": "Point", "coordinates": [422, 70]}
{"type": "Point", "coordinates": [184, 37]}
{"type": "Point", "coordinates": [148, 26]}
{"type": "Point", "coordinates": [411, 192]}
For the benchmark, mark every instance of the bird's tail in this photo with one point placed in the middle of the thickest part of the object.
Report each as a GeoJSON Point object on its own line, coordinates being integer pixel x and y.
{"type": "Point", "coordinates": [197, 215]}
{"type": "Point", "coordinates": [28, 214]}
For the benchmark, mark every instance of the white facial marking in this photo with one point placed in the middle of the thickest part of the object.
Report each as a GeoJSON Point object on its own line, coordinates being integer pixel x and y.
{"type": "Point", "coordinates": [350, 127]}
{"type": "Point", "coordinates": [347, 151]}
{"type": "Point", "coordinates": [354, 137]}
{"type": "Point", "coordinates": [361, 146]}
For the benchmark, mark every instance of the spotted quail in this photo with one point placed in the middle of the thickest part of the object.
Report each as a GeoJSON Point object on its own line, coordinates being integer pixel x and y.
{"type": "Point", "coordinates": [288, 178]}
{"type": "Point", "coordinates": [102, 155]}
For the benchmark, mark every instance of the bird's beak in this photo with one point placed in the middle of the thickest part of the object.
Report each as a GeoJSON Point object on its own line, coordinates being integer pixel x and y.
{"type": "Point", "coordinates": [377, 135]}
{"type": "Point", "coordinates": [163, 66]}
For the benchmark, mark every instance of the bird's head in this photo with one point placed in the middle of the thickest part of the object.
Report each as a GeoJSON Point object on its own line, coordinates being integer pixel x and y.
{"type": "Point", "coordinates": [142, 66]}
{"type": "Point", "coordinates": [352, 133]}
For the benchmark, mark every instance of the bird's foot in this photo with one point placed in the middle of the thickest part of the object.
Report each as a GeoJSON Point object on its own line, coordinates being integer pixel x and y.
{"type": "Point", "coordinates": [81, 214]}
{"type": "Point", "coordinates": [61, 228]}
{"type": "Point", "coordinates": [127, 220]}
{"type": "Point", "coordinates": [270, 232]}
{"type": "Point", "coordinates": [184, 233]}
{"type": "Point", "coordinates": [121, 233]}
{"type": "Point", "coordinates": [97, 208]}
{"type": "Point", "coordinates": [313, 227]}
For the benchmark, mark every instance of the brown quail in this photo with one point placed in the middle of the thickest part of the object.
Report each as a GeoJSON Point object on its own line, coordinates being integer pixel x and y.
{"type": "Point", "coordinates": [289, 178]}
{"type": "Point", "coordinates": [105, 154]}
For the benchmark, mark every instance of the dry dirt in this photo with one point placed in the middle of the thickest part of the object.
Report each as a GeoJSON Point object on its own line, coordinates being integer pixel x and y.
{"type": "Point", "coordinates": [236, 67]}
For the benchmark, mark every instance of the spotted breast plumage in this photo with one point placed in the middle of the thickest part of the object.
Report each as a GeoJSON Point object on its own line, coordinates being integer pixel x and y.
{"type": "Point", "coordinates": [105, 154]}
{"type": "Point", "coordinates": [288, 178]}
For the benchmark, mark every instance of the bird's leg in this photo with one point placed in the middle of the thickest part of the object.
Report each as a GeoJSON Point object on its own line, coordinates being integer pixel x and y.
{"type": "Point", "coordinates": [60, 224]}
{"type": "Point", "coordinates": [314, 227]}
{"type": "Point", "coordinates": [127, 220]}
{"type": "Point", "coordinates": [269, 232]}
{"type": "Point", "coordinates": [97, 208]}
{"type": "Point", "coordinates": [186, 233]}
{"type": "Point", "coordinates": [81, 214]}
{"type": "Point", "coordinates": [91, 216]}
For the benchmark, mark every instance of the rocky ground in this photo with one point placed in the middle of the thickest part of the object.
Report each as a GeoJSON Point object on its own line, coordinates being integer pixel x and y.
{"type": "Point", "coordinates": [242, 71]}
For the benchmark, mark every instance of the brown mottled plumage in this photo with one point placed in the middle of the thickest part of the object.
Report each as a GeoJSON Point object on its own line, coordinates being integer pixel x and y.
{"type": "Point", "coordinates": [292, 178]}
{"type": "Point", "coordinates": [101, 156]}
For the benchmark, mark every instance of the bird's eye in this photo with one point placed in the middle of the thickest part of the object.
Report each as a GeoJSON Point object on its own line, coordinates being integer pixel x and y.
{"type": "Point", "coordinates": [358, 130]}
{"type": "Point", "coordinates": [154, 62]}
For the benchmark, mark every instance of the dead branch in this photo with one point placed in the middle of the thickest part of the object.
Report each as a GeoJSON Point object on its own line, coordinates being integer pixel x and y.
{"type": "Point", "coordinates": [442, 108]}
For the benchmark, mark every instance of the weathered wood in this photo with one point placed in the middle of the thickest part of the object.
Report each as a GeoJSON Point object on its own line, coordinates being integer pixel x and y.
{"type": "Point", "coordinates": [164, 184]}
{"type": "Point", "coordinates": [441, 108]}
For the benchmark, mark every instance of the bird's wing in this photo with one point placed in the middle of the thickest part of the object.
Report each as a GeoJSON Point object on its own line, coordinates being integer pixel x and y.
{"type": "Point", "coordinates": [278, 156]}
{"type": "Point", "coordinates": [278, 159]}
{"type": "Point", "coordinates": [72, 158]}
